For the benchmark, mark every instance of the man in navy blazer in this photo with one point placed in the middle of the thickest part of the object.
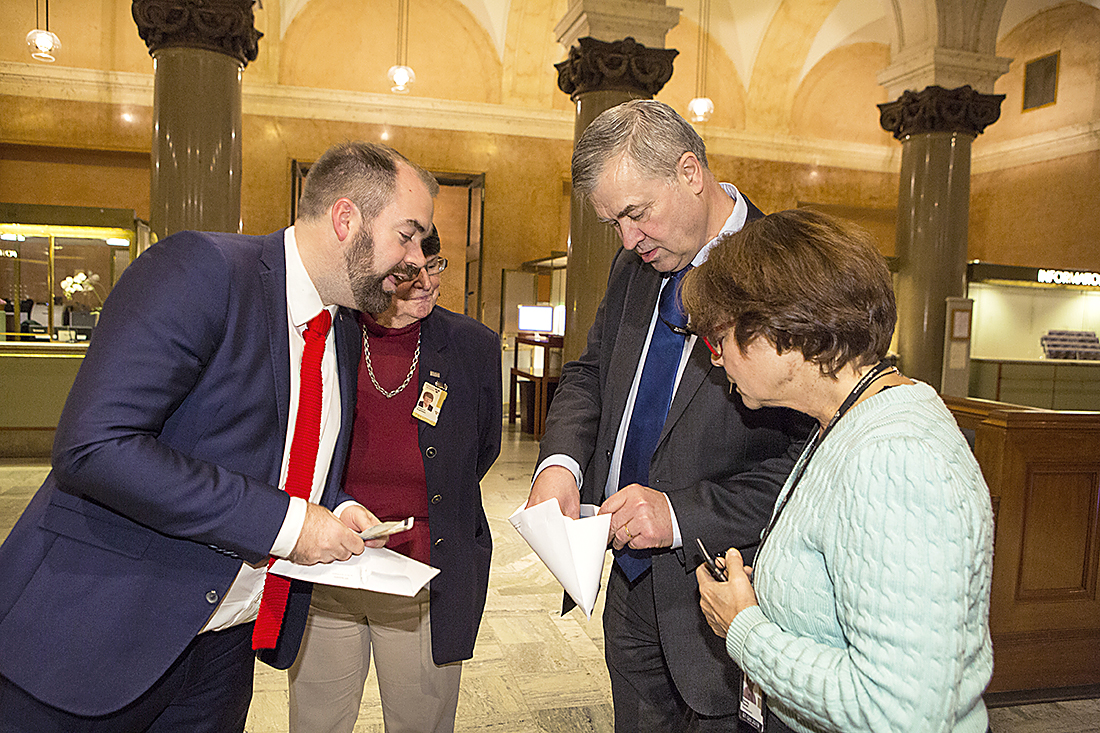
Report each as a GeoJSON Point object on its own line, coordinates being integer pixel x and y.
{"type": "Point", "coordinates": [130, 581]}
{"type": "Point", "coordinates": [717, 467]}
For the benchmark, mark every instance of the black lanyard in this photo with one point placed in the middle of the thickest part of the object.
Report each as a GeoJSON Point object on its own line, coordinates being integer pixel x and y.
{"type": "Point", "coordinates": [881, 369]}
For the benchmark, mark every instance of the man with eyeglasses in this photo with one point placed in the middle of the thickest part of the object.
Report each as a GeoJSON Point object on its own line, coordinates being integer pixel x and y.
{"type": "Point", "coordinates": [643, 425]}
{"type": "Point", "coordinates": [402, 464]}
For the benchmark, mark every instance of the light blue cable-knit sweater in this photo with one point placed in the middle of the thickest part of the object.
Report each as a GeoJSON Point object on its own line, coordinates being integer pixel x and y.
{"type": "Point", "coordinates": [874, 585]}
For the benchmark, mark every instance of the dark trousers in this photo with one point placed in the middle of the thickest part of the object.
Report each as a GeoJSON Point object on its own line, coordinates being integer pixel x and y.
{"type": "Point", "coordinates": [207, 690]}
{"type": "Point", "coordinates": [642, 689]}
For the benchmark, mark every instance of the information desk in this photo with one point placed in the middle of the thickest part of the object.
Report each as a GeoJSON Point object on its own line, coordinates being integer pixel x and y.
{"type": "Point", "coordinates": [37, 377]}
{"type": "Point", "coordinates": [1052, 384]}
{"type": "Point", "coordinates": [544, 379]}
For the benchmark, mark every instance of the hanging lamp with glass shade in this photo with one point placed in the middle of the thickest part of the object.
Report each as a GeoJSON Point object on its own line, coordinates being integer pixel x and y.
{"type": "Point", "coordinates": [701, 108]}
{"type": "Point", "coordinates": [43, 43]}
{"type": "Point", "coordinates": [401, 74]}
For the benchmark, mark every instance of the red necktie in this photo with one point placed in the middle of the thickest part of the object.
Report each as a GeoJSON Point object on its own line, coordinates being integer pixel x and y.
{"type": "Point", "coordinates": [299, 471]}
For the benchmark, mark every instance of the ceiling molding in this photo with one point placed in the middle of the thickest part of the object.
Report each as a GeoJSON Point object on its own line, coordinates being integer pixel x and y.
{"type": "Point", "coordinates": [806, 151]}
{"type": "Point", "coordinates": [274, 100]}
{"type": "Point", "coordinates": [1037, 148]}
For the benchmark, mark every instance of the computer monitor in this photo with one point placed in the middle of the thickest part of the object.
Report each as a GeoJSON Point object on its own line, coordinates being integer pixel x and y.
{"type": "Point", "coordinates": [536, 318]}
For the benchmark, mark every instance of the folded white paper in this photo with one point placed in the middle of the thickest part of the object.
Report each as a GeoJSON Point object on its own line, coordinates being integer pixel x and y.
{"type": "Point", "coordinates": [377, 569]}
{"type": "Point", "coordinates": [573, 549]}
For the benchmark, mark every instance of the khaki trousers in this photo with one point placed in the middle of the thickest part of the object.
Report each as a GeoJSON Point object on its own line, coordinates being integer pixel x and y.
{"type": "Point", "coordinates": [345, 625]}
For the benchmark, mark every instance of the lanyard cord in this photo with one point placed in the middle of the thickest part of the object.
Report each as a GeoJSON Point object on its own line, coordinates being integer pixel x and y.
{"type": "Point", "coordinates": [881, 369]}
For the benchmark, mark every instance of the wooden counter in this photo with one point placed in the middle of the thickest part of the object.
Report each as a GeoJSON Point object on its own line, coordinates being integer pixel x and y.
{"type": "Point", "coordinates": [1043, 472]}
{"type": "Point", "coordinates": [36, 379]}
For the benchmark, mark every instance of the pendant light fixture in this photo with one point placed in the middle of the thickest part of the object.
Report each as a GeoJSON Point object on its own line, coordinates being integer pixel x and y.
{"type": "Point", "coordinates": [701, 108]}
{"type": "Point", "coordinates": [43, 43]}
{"type": "Point", "coordinates": [400, 73]}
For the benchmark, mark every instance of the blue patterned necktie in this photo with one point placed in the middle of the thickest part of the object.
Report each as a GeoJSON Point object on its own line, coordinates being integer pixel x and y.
{"type": "Point", "coordinates": [651, 404]}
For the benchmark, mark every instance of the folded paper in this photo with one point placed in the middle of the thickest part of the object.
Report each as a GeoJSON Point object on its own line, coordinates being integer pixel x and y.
{"type": "Point", "coordinates": [377, 569]}
{"type": "Point", "coordinates": [573, 549]}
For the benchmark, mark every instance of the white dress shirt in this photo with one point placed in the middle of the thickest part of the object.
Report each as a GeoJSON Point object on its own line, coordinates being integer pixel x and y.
{"type": "Point", "coordinates": [242, 602]}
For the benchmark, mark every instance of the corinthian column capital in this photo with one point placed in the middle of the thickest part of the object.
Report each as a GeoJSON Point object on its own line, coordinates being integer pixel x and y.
{"type": "Point", "coordinates": [224, 26]}
{"type": "Point", "coordinates": [936, 109]}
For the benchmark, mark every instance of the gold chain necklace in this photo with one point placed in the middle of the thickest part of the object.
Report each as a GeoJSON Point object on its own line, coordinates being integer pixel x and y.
{"type": "Point", "coordinates": [370, 369]}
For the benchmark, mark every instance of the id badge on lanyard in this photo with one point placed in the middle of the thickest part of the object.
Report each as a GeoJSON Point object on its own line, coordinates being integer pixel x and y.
{"type": "Point", "coordinates": [752, 704]}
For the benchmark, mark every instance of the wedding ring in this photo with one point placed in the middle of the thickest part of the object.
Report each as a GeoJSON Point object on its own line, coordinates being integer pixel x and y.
{"type": "Point", "coordinates": [626, 529]}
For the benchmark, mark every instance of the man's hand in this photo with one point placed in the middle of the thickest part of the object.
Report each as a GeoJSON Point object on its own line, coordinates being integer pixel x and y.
{"type": "Point", "coordinates": [721, 602]}
{"type": "Point", "coordinates": [357, 518]}
{"type": "Point", "coordinates": [639, 518]}
{"type": "Point", "coordinates": [324, 538]}
{"type": "Point", "coordinates": [557, 482]}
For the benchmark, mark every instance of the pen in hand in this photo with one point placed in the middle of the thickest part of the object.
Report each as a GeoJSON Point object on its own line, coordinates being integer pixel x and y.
{"type": "Point", "coordinates": [716, 572]}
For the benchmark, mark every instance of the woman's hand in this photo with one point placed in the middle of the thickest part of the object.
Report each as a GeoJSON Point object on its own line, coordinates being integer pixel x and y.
{"type": "Point", "coordinates": [722, 601]}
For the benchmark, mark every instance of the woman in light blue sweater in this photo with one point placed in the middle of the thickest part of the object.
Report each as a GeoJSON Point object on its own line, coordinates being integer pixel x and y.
{"type": "Point", "coordinates": [868, 608]}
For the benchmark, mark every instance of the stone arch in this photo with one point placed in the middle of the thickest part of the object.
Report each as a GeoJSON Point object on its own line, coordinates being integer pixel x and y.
{"type": "Point", "coordinates": [836, 99]}
{"type": "Point", "coordinates": [464, 68]}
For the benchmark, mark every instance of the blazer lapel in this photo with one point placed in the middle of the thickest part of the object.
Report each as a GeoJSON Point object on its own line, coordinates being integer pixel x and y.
{"type": "Point", "coordinates": [695, 372]}
{"type": "Point", "coordinates": [433, 347]}
{"type": "Point", "coordinates": [348, 343]}
{"type": "Point", "coordinates": [641, 298]}
{"type": "Point", "coordinates": [273, 282]}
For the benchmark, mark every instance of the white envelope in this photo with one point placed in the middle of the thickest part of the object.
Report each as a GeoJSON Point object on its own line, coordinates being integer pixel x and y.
{"type": "Point", "coordinates": [573, 549]}
{"type": "Point", "coordinates": [377, 569]}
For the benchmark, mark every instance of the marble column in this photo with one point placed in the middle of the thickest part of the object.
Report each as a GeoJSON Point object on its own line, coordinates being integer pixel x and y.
{"type": "Point", "coordinates": [936, 128]}
{"type": "Point", "coordinates": [598, 76]}
{"type": "Point", "coordinates": [199, 50]}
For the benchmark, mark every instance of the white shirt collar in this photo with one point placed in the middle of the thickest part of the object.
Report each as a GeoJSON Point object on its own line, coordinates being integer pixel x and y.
{"type": "Point", "coordinates": [303, 302]}
{"type": "Point", "coordinates": [733, 224]}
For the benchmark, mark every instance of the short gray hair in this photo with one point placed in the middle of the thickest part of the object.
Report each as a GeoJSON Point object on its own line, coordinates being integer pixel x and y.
{"type": "Point", "coordinates": [364, 173]}
{"type": "Point", "coordinates": [648, 132]}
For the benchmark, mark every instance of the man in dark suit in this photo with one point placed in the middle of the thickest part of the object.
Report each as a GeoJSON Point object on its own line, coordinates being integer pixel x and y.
{"type": "Point", "coordinates": [133, 578]}
{"type": "Point", "coordinates": [709, 468]}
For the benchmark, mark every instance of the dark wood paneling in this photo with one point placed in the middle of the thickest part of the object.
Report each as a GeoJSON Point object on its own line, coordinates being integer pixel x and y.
{"type": "Point", "coordinates": [1057, 561]}
{"type": "Point", "coordinates": [1043, 471]}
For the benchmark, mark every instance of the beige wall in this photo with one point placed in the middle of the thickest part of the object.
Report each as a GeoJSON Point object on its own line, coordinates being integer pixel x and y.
{"type": "Point", "coordinates": [95, 153]}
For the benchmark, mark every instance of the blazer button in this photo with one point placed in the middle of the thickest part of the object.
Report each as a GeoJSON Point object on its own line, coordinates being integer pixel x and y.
{"type": "Point", "coordinates": [211, 597]}
{"type": "Point", "coordinates": [436, 499]}
{"type": "Point", "coordinates": [430, 451]}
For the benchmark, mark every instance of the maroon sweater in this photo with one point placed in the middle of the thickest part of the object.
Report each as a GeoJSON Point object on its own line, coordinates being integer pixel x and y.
{"type": "Point", "coordinates": [385, 471]}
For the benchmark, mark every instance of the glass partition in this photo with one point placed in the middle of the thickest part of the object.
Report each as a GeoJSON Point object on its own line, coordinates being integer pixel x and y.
{"type": "Point", "coordinates": [54, 279]}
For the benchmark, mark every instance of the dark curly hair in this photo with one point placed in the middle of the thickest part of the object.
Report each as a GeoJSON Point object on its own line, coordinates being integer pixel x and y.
{"type": "Point", "coordinates": [804, 281]}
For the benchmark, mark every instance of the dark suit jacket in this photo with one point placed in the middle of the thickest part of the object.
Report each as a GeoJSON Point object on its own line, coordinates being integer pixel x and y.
{"type": "Point", "coordinates": [165, 474]}
{"type": "Point", "coordinates": [457, 452]}
{"type": "Point", "coordinates": [721, 464]}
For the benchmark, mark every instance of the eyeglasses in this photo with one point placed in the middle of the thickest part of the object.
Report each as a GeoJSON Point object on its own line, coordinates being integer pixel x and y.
{"type": "Point", "coordinates": [715, 346]}
{"type": "Point", "coordinates": [678, 330]}
{"type": "Point", "coordinates": [432, 267]}
{"type": "Point", "coordinates": [715, 340]}
{"type": "Point", "coordinates": [715, 351]}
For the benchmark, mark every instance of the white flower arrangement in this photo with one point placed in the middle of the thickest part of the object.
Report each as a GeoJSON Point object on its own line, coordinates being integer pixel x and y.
{"type": "Point", "coordinates": [81, 283]}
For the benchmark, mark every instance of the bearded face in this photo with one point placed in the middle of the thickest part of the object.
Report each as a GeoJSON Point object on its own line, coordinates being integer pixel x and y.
{"type": "Point", "coordinates": [366, 284]}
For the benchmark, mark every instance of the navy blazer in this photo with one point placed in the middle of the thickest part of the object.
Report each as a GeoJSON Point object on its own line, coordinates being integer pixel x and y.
{"type": "Point", "coordinates": [720, 464]}
{"type": "Point", "coordinates": [165, 474]}
{"type": "Point", "coordinates": [457, 452]}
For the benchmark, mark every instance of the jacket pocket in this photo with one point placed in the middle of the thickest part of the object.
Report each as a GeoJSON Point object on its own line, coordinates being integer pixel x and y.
{"type": "Point", "coordinates": [84, 521]}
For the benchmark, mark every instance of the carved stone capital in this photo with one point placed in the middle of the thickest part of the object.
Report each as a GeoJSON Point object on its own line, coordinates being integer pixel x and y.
{"type": "Point", "coordinates": [624, 65]}
{"type": "Point", "coordinates": [936, 109]}
{"type": "Point", "coordinates": [224, 26]}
